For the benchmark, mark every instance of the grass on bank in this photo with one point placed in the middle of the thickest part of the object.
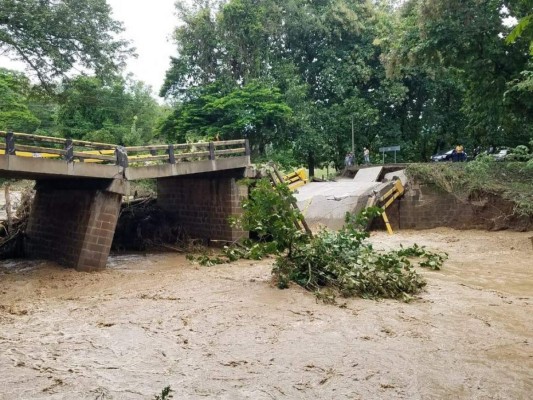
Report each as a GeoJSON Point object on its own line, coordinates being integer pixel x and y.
{"type": "Point", "coordinates": [511, 180]}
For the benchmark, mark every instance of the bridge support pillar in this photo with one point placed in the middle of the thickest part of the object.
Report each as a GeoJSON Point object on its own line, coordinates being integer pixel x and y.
{"type": "Point", "coordinates": [203, 205]}
{"type": "Point", "coordinates": [73, 222]}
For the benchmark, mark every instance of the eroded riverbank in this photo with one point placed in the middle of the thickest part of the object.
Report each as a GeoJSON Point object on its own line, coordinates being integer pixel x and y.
{"type": "Point", "coordinates": [226, 332]}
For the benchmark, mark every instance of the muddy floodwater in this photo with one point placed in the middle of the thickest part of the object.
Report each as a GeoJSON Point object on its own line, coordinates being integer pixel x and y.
{"type": "Point", "coordinates": [226, 332]}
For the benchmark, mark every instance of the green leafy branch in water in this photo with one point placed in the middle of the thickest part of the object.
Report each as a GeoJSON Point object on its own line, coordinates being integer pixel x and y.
{"type": "Point", "coordinates": [206, 260]}
{"type": "Point", "coordinates": [344, 262]}
{"type": "Point", "coordinates": [429, 259]}
{"type": "Point", "coordinates": [328, 263]}
{"type": "Point", "coordinates": [165, 394]}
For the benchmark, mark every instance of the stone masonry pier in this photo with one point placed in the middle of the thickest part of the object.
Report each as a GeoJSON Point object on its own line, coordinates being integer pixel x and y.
{"type": "Point", "coordinates": [204, 204]}
{"type": "Point", "coordinates": [73, 222]}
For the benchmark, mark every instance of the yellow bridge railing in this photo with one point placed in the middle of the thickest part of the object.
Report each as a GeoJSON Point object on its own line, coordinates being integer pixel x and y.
{"type": "Point", "coordinates": [70, 150]}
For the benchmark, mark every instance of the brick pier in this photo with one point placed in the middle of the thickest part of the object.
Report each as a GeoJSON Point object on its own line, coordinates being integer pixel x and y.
{"type": "Point", "coordinates": [203, 205]}
{"type": "Point", "coordinates": [73, 222]}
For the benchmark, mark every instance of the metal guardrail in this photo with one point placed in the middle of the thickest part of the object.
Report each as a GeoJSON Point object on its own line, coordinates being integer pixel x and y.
{"type": "Point", "coordinates": [70, 150]}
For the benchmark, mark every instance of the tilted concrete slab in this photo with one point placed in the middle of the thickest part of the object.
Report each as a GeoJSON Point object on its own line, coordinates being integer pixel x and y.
{"type": "Point", "coordinates": [391, 176]}
{"type": "Point", "coordinates": [186, 168]}
{"type": "Point", "coordinates": [326, 203]}
{"type": "Point", "coordinates": [38, 168]}
{"type": "Point", "coordinates": [368, 174]}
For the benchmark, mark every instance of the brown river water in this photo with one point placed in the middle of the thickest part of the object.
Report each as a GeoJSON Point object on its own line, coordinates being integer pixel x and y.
{"type": "Point", "coordinates": [226, 332]}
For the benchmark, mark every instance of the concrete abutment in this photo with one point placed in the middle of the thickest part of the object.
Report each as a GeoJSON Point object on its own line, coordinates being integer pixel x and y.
{"type": "Point", "coordinates": [426, 206]}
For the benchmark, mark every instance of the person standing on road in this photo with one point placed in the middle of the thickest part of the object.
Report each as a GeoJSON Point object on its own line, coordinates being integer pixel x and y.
{"type": "Point", "coordinates": [460, 153]}
{"type": "Point", "coordinates": [366, 155]}
{"type": "Point", "coordinates": [347, 160]}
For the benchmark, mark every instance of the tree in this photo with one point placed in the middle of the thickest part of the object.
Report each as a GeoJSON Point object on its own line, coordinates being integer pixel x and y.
{"type": "Point", "coordinates": [14, 112]}
{"type": "Point", "coordinates": [429, 117]}
{"type": "Point", "coordinates": [54, 37]}
{"type": "Point", "coordinates": [255, 111]}
{"type": "Point", "coordinates": [197, 45]}
{"type": "Point", "coordinates": [232, 45]}
{"type": "Point", "coordinates": [121, 112]}
{"type": "Point", "coordinates": [463, 41]}
{"type": "Point", "coordinates": [519, 95]}
{"type": "Point", "coordinates": [319, 54]}
{"type": "Point", "coordinates": [521, 9]}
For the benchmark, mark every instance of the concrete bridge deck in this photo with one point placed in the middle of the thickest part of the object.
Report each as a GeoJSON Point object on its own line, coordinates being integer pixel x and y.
{"type": "Point", "coordinates": [25, 156]}
{"type": "Point", "coordinates": [16, 167]}
{"type": "Point", "coordinates": [326, 203]}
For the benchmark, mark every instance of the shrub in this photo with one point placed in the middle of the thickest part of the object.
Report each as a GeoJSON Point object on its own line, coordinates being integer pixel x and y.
{"type": "Point", "coordinates": [340, 262]}
{"type": "Point", "coordinates": [343, 261]}
{"type": "Point", "coordinates": [520, 153]}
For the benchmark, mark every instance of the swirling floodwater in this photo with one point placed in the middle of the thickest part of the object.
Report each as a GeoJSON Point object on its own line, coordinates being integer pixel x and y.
{"type": "Point", "coordinates": [226, 332]}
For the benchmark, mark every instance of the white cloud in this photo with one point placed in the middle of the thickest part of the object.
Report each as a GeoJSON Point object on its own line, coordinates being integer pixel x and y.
{"type": "Point", "coordinates": [149, 24]}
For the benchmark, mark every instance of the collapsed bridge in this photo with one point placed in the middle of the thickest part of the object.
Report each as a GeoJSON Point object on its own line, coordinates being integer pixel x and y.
{"type": "Point", "coordinates": [80, 186]}
{"type": "Point", "coordinates": [326, 203]}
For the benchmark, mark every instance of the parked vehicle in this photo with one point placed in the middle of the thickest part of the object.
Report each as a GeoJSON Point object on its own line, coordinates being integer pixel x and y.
{"type": "Point", "coordinates": [448, 156]}
{"type": "Point", "coordinates": [442, 157]}
{"type": "Point", "coordinates": [501, 155]}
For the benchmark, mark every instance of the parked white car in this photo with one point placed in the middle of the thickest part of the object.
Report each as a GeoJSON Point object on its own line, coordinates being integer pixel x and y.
{"type": "Point", "coordinates": [501, 155]}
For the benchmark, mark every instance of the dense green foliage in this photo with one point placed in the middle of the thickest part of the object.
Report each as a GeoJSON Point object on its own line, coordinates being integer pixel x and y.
{"type": "Point", "coordinates": [121, 112]}
{"type": "Point", "coordinates": [14, 111]}
{"type": "Point", "coordinates": [255, 110]}
{"type": "Point", "coordinates": [293, 76]}
{"type": "Point", "coordinates": [426, 75]}
{"type": "Point", "coordinates": [338, 262]}
{"type": "Point", "coordinates": [462, 41]}
{"type": "Point", "coordinates": [53, 37]}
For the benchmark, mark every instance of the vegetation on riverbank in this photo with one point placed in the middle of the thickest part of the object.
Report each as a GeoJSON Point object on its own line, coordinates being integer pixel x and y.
{"type": "Point", "coordinates": [511, 180]}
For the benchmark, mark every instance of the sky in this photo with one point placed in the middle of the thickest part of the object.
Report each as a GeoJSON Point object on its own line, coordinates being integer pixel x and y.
{"type": "Point", "coordinates": [149, 25]}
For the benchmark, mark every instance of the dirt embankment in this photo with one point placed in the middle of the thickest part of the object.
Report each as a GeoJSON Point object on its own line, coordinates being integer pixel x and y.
{"type": "Point", "coordinates": [425, 206]}
{"type": "Point", "coordinates": [477, 195]}
{"type": "Point", "coordinates": [225, 332]}
{"type": "Point", "coordinates": [493, 212]}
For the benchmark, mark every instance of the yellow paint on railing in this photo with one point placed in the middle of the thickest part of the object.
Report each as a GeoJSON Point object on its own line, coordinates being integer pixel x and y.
{"type": "Point", "coordinates": [56, 156]}
{"type": "Point", "coordinates": [33, 155]}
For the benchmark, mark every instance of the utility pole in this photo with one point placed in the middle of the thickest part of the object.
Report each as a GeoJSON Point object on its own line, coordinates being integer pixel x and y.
{"type": "Point", "coordinates": [353, 140]}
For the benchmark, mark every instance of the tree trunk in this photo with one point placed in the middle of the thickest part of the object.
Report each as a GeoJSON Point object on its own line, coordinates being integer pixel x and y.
{"type": "Point", "coordinates": [8, 209]}
{"type": "Point", "coordinates": [311, 164]}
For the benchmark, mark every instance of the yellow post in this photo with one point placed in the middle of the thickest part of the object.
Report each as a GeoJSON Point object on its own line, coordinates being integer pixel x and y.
{"type": "Point", "coordinates": [387, 223]}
